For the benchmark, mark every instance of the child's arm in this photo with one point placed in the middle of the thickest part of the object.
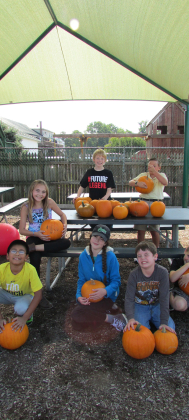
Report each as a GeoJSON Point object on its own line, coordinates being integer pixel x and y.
{"type": "Point", "coordinates": [130, 324]}
{"type": "Point", "coordinates": [2, 323]}
{"type": "Point", "coordinates": [175, 275]}
{"type": "Point", "coordinates": [80, 191]}
{"type": "Point", "coordinates": [134, 183]}
{"type": "Point", "coordinates": [26, 232]}
{"type": "Point", "coordinates": [108, 193]}
{"type": "Point", "coordinates": [20, 321]}
{"type": "Point", "coordinates": [167, 328]}
{"type": "Point", "coordinates": [160, 177]}
{"type": "Point", "coordinates": [57, 210]}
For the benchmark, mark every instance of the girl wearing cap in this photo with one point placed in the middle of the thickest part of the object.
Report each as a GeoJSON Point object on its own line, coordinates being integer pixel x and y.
{"type": "Point", "coordinates": [98, 262]}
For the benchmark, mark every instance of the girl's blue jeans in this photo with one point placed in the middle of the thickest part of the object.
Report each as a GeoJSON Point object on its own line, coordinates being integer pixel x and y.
{"type": "Point", "coordinates": [150, 313]}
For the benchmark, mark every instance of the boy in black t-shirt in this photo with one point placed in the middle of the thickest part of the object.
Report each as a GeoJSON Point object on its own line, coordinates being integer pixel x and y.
{"type": "Point", "coordinates": [99, 180]}
{"type": "Point", "coordinates": [179, 300]}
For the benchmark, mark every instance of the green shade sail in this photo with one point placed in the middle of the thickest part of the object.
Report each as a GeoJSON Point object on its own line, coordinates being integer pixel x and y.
{"type": "Point", "coordinates": [123, 49]}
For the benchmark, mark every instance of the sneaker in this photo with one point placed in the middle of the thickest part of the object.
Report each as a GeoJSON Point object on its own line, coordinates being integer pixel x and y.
{"type": "Point", "coordinates": [31, 248]}
{"type": "Point", "coordinates": [29, 321]}
{"type": "Point", "coordinates": [119, 322]}
{"type": "Point", "coordinates": [45, 304]}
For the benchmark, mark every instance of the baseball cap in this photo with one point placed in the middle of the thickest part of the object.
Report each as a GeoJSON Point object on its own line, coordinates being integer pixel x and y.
{"type": "Point", "coordinates": [103, 231]}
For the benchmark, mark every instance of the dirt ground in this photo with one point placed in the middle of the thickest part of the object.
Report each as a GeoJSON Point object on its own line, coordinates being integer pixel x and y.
{"type": "Point", "coordinates": [63, 375]}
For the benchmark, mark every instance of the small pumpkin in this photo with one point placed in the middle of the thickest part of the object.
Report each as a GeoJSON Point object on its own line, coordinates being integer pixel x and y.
{"type": "Point", "coordinates": [89, 199]}
{"type": "Point", "coordinates": [148, 181]}
{"type": "Point", "coordinates": [52, 228]}
{"type": "Point", "coordinates": [114, 203]}
{"type": "Point", "coordinates": [86, 210]}
{"type": "Point", "coordinates": [157, 209]}
{"type": "Point", "coordinates": [10, 339]}
{"type": "Point", "coordinates": [139, 208]}
{"type": "Point", "coordinates": [104, 208]}
{"type": "Point", "coordinates": [89, 286]}
{"type": "Point", "coordinates": [138, 343]}
{"type": "Point", "coordinates": [120, 212]}
{"type": "Point", "coordinates": [80, 201]}
{"type": "Point", "coordinates": [166, 342]}
{"type": "Point", "coordinates": [127, 204]}
{"type": "Point", "coordinates": [183, 288]}
{"type": "Point", "coordinates": [94, 203]}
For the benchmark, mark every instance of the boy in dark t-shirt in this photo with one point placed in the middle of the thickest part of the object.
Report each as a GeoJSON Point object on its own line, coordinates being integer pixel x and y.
{"type": "Point", "coordinates": [99, 180]}
{"type": "Point", "coordinates": [179, 300]}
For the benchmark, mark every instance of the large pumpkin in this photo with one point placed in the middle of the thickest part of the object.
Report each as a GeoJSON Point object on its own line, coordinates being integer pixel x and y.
{"type": "Point", "coordinates": [166, 342]}
{"type": "Point", "coordinates": [86, 210]}
{"type": "Point", "coordinates": [183, 288]}
{"type": "Point", "coordinates": [148, 181]}
{"type": "Point", "coordinates": [52, 228]}
{"type": "Point", "coordinates": [120, 212]}
{"type": "Point", "coordinates": [104, 208]}
{"type": "Point", "coordinates": [139, 208]}
{"type": "Point", "coordinates": [89, 286]}
{"type": "Point", "coordinates": [157, 209]}
{"type": "Point", "coordinates": [10, 339]}
{"type": "Point", "coordinates": [138, 343]}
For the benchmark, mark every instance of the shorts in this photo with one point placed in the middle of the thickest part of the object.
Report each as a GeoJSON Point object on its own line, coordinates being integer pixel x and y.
{"type": "Point", "coordinates": [178, 292]}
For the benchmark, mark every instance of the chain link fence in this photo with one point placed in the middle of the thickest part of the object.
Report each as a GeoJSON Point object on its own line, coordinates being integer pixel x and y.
{"type": "Point", "coordinates": [63, 168]}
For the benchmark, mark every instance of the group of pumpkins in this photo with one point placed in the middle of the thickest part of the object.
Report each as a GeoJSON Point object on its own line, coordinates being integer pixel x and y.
{"type": "Point", "coordinates": [140, 342]}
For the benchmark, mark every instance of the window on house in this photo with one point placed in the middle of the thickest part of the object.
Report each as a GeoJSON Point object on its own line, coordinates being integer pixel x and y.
{"type": "Point", "coordinates": [180, 129]}
{"type": "Point", "coordinates": [161, 129]}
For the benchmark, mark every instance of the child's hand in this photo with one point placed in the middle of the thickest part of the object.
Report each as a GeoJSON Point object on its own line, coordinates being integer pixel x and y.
{"type": "Point", "coordinates": [167, 328]}
{"type": "Point", "coordinates": [18, 322]}
{"type": "Point", "coordinates": [142, 185]}
{"type": "Point", "coordinates": [2, 323]}
{"type": "Point", "coordinates": [183, 281]}
{"type": "Point", "coordinates": [98, 294]}
{"type": "Point", "coordinates": [41, 236]}
{"type": "Point", "coordinates": [64, 231]}
{"type": "Point", "coordinates": [83, 300]}
{"type": "Point", "coordinates": [130, 324]}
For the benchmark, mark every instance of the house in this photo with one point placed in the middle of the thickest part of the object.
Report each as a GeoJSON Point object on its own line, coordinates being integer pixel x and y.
{"type": "Point", "coordinates": [48, 140]}
{"type": "Point", "coordinates": [29, 138]}
{"type": "Point", "coordinates": [166, 129]}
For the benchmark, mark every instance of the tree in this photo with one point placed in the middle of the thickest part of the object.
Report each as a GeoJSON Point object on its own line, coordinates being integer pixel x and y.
{"type": "Point", "coordinates": [99, 127]}
{"type": "Point", "coordinates": [142, 126]}
{"type": "Point", "coordinates": [115, 145]}
{"type": "Point", "coordinates": [12, 138]}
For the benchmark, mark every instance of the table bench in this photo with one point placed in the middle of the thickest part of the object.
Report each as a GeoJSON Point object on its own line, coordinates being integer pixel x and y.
{"type": "Point", "coordinates": [74, 252]}
{"type": "Point", "coordinates": [5, 209]}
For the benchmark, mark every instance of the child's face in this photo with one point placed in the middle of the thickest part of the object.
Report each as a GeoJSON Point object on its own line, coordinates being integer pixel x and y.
{"type": "Point", "coordinates": [97, 243]}
{"type": "Point", "coordinates": [186, 257]}
{"type": "Point", "coordinates": [146, 259]}
{"type": "Point", "coordinates": [39, 192]}
{"type": "Point", "coordinates": [153, 164]}
{"type": "Point", "coordinates": [99, 161]}
{"type": "Point", "coordinates": [17, 255]}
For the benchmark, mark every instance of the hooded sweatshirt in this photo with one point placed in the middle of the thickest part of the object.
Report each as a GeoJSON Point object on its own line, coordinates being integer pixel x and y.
{"type": "Point", "coordinates": [87, 270]}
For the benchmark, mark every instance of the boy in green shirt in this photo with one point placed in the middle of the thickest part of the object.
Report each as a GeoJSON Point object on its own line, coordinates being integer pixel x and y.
{"type": "Point", "coordinates": [20, 285]}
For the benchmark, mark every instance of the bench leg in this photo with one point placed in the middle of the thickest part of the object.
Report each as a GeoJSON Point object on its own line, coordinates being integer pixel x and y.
{"type": "Point", "coordinates": [61, 266]}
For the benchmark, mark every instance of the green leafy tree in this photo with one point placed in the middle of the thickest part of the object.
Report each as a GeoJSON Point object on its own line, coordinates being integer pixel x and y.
{"type": "Point", "coordinates": [99, 127]}
{"type": "Point", "coordinates": [142, 126]}
{"type": "Point", "coordinates": [115, 145]}
{"type": "Point", "coordinates": [12, 138]}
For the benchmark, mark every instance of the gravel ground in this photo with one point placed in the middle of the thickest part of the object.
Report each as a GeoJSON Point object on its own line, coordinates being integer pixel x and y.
{"type": "Point", "coordinates": [60, 374]}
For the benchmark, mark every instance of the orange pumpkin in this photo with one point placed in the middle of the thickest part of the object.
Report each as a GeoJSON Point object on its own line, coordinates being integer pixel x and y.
{"type": "Point", "coordinates": [94, 203]}
{"type": "Point", "coordinates": [89, 286]}
{"type": "Point", "coordinates": [139, 208]}
{"type": "Point", "coordinates": [138, 343]}
{"type": "Point", "coordinates": [127, 204]}
{"type": "Point", "coordinates": [104, 208]}
{"type": "Point", "coordinates": [148, 181]}
{"type": "Point", "coordinates": [183, 288]}
{"type": "Point", "coordinates": [166, 342]}
{"type": "Point", "coordinates": [120, 212]}
{"type": "Point", "coordinates": [157, 209]}
{"type": "Point", "coordinates": [89, 199]}
{"type": "Point", "coordinates": [76, 200]}
{"type": "Point", "coordinates": [86, 210]}
{"type": "Point", "coordinates": [114, 203]}
{"type": "Point", "coordinates": [12, 340]}
{"type": "Point", "coordinates": [52, 228]}
{"type": "Point", "coordinates": [79, 202]}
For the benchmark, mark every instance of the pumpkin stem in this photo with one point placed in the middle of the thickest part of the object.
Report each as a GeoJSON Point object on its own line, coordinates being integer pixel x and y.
{"type": "Point", "coordinates": [138, 327]}
{"type": "Point", "coordinates": [92, 281]}
{"type": "Point", "coordinates": [163, 330]}
{"type": "Point", "coordinates": [83, 204]}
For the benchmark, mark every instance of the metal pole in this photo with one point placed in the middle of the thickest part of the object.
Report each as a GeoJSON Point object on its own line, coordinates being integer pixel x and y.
{"type": "Point", "coordinates": [186, 160]}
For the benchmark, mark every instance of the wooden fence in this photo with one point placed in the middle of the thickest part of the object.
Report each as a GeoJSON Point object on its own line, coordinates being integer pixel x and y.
{"type": "Point", "coordinates": [64, 172]}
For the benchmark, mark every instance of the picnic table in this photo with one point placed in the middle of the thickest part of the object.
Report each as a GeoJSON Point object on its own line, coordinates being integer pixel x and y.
{"type": "Point", "coordinates": [4, 190]}
{"type": "Point", "coordinates": [121, 196]}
